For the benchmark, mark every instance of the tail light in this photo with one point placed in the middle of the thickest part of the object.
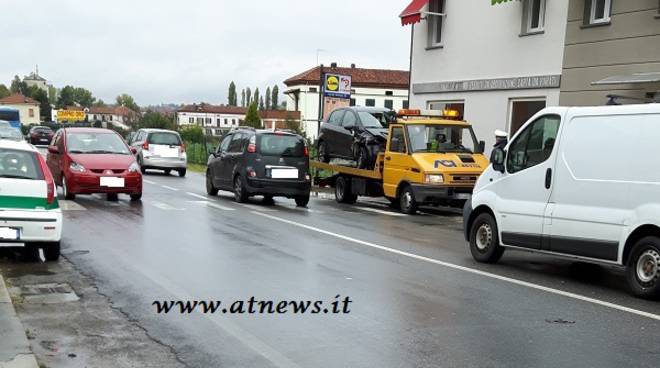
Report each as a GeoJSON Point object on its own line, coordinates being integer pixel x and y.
{"type": "Point", "coordinates": [306, 151]}
{"type": "Point", "coordinates": [182, 148]}
{"type": "Point", "coordinates": [145, 146]}
{"type": "Point", "coordinates": [48, 177]}
{"type": "Point", "coordinates": [252, 146]}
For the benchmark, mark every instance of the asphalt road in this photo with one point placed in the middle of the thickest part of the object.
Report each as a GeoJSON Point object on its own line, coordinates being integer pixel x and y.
{"type": "Point", "coordinates": [418, 299]}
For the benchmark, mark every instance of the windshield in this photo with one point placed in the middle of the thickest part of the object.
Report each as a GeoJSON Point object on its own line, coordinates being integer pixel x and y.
{"type": "Point", "coordinates": [9, 115]}
{"type": "Point", "coordinates": [42, 130]}
{"type": "Point", "coordinates": [169, 139]}
{"type": "Point", "coordinates": [19, 165]}
{"type": "Point", "coordinates": [368, 120]}
{"type": "Point", "coordinates": [281, 145]}
{"type": "Point", "coordinates": [10, 133]}
{"type": "Point", "coordinates": [101, 143]}
{"type": "Point", "coordinates": [441, 138]}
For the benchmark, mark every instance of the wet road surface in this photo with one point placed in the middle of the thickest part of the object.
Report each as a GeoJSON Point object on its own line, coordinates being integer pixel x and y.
{"type": "Point", "coordinates": [418, 299]}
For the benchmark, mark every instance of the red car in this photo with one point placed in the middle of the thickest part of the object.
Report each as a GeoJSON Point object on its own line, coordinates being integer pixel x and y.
{"type": "Point", "coordinates": [93, 160]}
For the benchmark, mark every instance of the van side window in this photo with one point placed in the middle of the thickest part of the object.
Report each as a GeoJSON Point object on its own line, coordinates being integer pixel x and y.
{"type": "Point", "coordinates": [398, 141]}
{"type": "Point", "coordinates": [534, 145]}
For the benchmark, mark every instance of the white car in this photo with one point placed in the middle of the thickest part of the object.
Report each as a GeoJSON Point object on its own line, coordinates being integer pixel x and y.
{"type": "Point", "coordinates": [582, 182]}
{"type": "Point", "coordinates": [30, 216]}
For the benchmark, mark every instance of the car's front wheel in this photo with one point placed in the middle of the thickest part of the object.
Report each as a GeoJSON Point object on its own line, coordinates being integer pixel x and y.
{"type": "Point", "coordinates": [643, 268]}
{"type": "Point", "coordinates": [363, 161]}
{"type": "Point", "coordinates": [322, 152]}
{"type": "Point", "coordinates": [484, 239]}
{"type": "Point", "coordinates": [210, 188]}
{"type": "Point", "coordinates": [65, 188]}
{"type": "Point", "coordinates": [407, 202]}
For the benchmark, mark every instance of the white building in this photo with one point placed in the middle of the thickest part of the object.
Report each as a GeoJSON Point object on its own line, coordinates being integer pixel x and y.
{"type": "Point", "coordinates": [119, 116]}
{"type": "Point", "coordinates": [215, 120]}
{"type": "Point", "coordinates": [370, 87]}
{"type": "Point", "coordinates": [499, 64]}
{"type": "Point", "coordinates": [35, 80]}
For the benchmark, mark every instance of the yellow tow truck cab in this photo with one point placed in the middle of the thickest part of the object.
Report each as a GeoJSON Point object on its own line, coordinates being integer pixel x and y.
{"type": "Point", "coordinates": [431, 158]}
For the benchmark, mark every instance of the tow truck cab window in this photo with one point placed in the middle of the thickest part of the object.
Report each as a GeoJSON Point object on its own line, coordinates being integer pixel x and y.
{"type": "Point", "coordinates": [398, 141]}
{"type": "Point", "coordinates": [534, 145]}
{"type": "Point", "coordinates": [441, 138]}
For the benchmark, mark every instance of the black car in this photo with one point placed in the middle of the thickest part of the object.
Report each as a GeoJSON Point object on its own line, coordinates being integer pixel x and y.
{"type": "Point", "coordinates": [253, 162]}
{"type": "Point", "coordinates": [40, 135]}
{"type": "Point", "coordinates": [354, 133]}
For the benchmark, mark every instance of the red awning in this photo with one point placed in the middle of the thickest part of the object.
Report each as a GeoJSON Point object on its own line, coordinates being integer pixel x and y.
{"type": "Point", "coordinates": [412, 14]}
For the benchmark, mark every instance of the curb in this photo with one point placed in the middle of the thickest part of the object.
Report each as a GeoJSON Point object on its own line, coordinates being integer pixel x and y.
{"type": "Point", "coordinates": [15, 349]}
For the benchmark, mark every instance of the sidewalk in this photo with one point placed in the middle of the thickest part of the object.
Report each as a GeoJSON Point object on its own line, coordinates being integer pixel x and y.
{"type": "Point", "coordinates": [14, 347]}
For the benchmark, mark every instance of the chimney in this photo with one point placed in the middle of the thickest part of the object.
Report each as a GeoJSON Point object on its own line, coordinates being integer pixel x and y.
{"type": "Point", "coordinates": [353, 66]}
{"type": "Point", "coordinates": [333, 65]}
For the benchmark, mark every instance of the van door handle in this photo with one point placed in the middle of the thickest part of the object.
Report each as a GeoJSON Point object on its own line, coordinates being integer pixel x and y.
{"type": "Point", "coordinates": [548, 178]}
{"type": "Point", "coordinates": [388, 158]}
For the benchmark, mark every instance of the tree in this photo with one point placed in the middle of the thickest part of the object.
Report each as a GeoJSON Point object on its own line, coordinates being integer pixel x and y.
{"type": "Point", "coordinates": [52, 95]}
{"type": "Point", "coordinates": [248, 97]}
{"type": "Point", "coordinates": [128, 101]}
{"type": "Point", "coordinates": [83, 97]}
{"type": "Point", "coordinates": [44, 105]}
{"type": "Point", "coordinates": [275, 97]}
{"type": "Point", "coordinates": [252, 117]}
{"type": "Point", "coordinates": [99, 103]}
{"type": "Point", "coordinates": [192, 134]}
{"type": "Point", "coordinates": [261, 103]}
{"type": "Point", "coordinates": [255, 98]}
{"type": "Point", "coordinates": [4, 91]}
{"type": "Point", "coordinates": [153, 119]}
{"type": "Point", "coordinates": [231, 96]}
{"type": "Point", "coordinates": [17, 86]}
{"type": "Point", "coordinates": [268, 98]}
{"type": "Point", "coordinates": [243, 97]}
{"type": "Point", "coordinates": [67, 97]}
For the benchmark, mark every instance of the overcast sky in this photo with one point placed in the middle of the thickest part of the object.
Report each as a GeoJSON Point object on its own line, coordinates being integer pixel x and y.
{"type": "Point", "coordinates": [189, 51]}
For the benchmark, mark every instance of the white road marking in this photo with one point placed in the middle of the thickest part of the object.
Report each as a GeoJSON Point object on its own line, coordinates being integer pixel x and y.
{"type": "Point", "coordinates": [197, 195]}
{"type": "Point", "coordinates": [148, 181]}
{"type": "Point", "coordinates": [165, 206]}
{"type": "Point", "coordinates": [67, 205]}
{"type": "Point", "coordinates": [213, 205]}
{"type": "Point", "coordinates": [170, 188]}
{"type": "Point", "coordinates": [468, 269]}
{"type": "Point", "coordinates": [257, 208]}
{"type": "Point", "coordinates": [389, 213]}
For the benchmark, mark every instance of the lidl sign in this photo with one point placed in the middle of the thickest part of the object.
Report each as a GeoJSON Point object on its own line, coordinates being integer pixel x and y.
{"type": "Point", "coordinates": [70, 115]}
{"type": "Point", "coordinates": [335, 85]}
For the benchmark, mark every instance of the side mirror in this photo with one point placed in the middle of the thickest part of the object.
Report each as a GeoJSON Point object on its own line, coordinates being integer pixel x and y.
{"type": "Point", "coordinates": [481, 147]}
{"type": "Point", "coordinates": [349, 126]}
{"type": "Point", "coordinates": [54, 150]}
{"type": "Point", "coordinates": [497, 159]}
{"type": "Point", "coordinates": [133, 150]}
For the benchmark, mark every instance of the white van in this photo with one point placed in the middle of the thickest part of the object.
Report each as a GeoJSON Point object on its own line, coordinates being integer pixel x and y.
{"type": "Point", "coordinates": [582, 182]}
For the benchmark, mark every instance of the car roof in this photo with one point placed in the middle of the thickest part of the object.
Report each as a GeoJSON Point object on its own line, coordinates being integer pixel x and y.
{"type": "Point", "coordinates": [155, 130]}
{"type": "Point", "coordinates": [88, 130]}
{"type": "Point", "coordinates": [370, 109]}
{"type": "Point", "coordinates": [17, 145]}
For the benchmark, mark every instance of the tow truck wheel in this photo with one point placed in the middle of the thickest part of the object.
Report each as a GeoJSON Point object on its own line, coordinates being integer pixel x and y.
{"type": "Point", "coordinates": [643, 268]}
{"type": "Point", "coordinates": [407, 202]}
{"type": "Point", "coordinates": [343, 191]}
{"type": "Point", "coordinates": [484, 240]}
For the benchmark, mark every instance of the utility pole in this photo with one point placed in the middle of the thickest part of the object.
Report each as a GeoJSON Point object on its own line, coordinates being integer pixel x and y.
{"type": "Point", "coordinates": [320, 117]}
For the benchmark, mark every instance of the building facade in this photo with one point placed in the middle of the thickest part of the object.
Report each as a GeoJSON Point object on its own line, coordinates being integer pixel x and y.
{"type": "Point", "coordinates": [370, 87]}
{"type": "Point", "coordinates": [120, 116]}
{"type": "Point", "coordinates": [280, 119]}
{"type": "Point", "coordinates": [612, 52]}
{"type": "Point", "coordinates": [214, 119]}
{"type": "Point", "coordinates": [497, 64]}
{"type": "Point", "coordinates": [28, 108]}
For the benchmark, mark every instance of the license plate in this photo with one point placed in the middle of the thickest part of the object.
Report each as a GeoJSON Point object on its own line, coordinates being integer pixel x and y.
{"type": "Point", "coordinates": [166, 151]}
{"type": "Point", "coordinates": [112, 182]}
{"type": "Point", "coordinates": [8, 233]}
{"type": "Point", "coordinates": [284, 173]}
{"type": "Point", "coordinates": [462, 195]}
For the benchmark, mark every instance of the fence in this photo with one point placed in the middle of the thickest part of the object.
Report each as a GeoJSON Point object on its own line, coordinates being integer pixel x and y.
{"type": "Point", "coordinates": [197, 153]}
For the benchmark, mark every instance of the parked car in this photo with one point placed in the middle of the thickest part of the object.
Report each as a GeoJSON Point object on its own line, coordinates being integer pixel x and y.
{"type": "Point", "coordinates": [354, 133]}
{"type": "Point", "coordinates": [40, 135]}
{"type": "Point", "coordinates": [253, 162]}
{"type": "Point", "coordinates": [576, 182]}
{"type": "Point", "coordinates": [31, 217]}
{"type": "Point", "coordinates": [7, 131]}
{"type": "Point", "coordinates": [94, 160]}
{"type": "Point", "coordinates": [161, 150]}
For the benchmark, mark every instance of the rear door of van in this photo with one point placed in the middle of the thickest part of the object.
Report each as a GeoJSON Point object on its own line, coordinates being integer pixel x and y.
{"type": "Point", "coordinates": [523, 191]}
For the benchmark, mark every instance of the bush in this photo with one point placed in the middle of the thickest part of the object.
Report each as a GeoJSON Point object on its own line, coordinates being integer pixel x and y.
{"type": "Point", "coordinates": [192, 134]}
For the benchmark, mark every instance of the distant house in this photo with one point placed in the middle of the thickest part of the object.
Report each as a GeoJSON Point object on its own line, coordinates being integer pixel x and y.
{"type": "Point", "coordinates": [35, 80]}
{"type": "Point", "coordinates": [214, 119]}
{"type": "Point", "coordinates": [370, 87]}
{"type": "Point", "coordinates": [118, 115]}
{"type": "Point", "coordinates": [28, 108]}
{"type": "Point", "coordinates": [279, 119]}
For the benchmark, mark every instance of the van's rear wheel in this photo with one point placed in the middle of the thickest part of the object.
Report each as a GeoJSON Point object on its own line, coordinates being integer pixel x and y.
{"type": "Point", "coordinates": [643, 268]}
{"type": "Point", "coordinates": [343, 191]}
{"type": "Point", "coordinates": [484, 240]}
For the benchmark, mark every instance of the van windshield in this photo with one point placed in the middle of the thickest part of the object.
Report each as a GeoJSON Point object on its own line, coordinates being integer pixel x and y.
{"type": "Point", "coordinates": [280, 145]}
{"type": "Point", "coordinates": [441, 138]}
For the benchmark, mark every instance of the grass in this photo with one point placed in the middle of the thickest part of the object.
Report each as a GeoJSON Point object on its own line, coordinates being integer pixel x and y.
{"type": "Point", "coordinates": [196, 167]}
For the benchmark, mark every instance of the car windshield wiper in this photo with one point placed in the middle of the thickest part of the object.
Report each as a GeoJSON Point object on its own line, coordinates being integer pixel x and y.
{"type": "Point", "coordinates": [75, 151]}
{"type": "Point", "coordinates": [9, 176]}
{"type": "Point", "coordinates": [105, 152]}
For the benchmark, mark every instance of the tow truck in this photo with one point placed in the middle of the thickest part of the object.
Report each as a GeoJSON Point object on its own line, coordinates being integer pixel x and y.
{"type": "Point", "coordinates": [431, 158]}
